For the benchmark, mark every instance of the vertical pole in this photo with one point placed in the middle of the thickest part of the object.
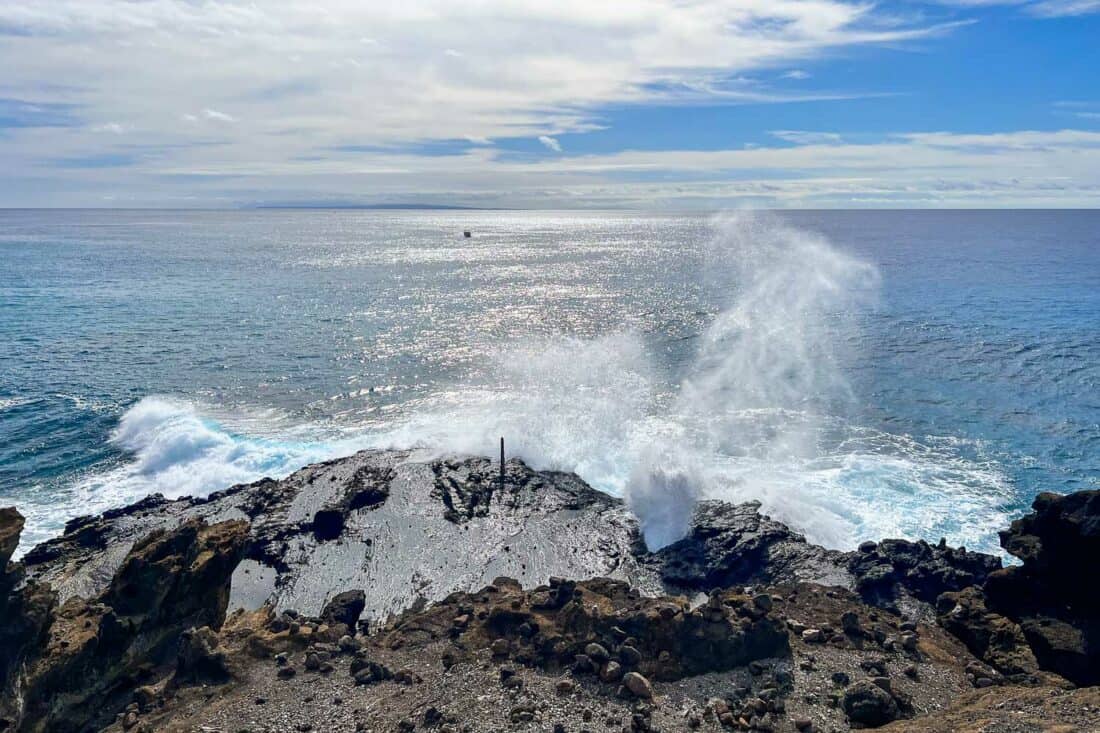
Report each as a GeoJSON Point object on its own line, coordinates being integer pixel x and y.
{"type": "Point", "coordinates": [502, 463]}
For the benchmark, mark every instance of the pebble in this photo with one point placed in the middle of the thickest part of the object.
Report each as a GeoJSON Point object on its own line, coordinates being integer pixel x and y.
{"type": "Point", "coordinates": [813, 636]}
{"type": "Point", "coordinates": [597, 653]}
{"type": "Point", "coordinates": [638, 685]}
{"type": "Point", "coordinates": [611, 672]}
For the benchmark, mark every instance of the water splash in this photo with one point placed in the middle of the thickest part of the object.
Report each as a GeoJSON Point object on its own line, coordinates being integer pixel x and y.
{"type": "Point", "coordinates": [767, 368]}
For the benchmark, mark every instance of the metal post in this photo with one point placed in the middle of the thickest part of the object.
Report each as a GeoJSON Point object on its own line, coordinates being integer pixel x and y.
{"type": "Point", "coordinates": [502, 463]}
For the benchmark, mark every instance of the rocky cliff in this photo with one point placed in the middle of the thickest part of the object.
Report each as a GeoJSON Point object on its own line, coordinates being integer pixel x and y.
{"type": "Point", "coordinates": [387, 592]}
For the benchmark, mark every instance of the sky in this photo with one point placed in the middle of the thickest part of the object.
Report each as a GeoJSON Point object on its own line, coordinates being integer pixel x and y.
{"type": "Point", "coordinates": [658, 104]}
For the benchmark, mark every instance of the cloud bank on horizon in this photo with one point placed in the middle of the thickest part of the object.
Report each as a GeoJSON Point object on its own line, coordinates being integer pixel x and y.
{"type": "Point", "coordinates": [650, 103]}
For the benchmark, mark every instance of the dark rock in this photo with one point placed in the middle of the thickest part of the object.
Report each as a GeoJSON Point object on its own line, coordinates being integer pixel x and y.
{"type": "Point", "coordinates": [1056, 606]}
{"type": "Point", "coordinates": [736, 544]}
{"type": "Point", "coordinates": [924, 570]}
{"type": "Point", "coordinates": [597, 653]}
{"type": "Point", "coordinates": [868, 704]}
{"type": "Point", "coordinates": [345, 608]}
{"type": "Point", "coordinates": [638, 685]}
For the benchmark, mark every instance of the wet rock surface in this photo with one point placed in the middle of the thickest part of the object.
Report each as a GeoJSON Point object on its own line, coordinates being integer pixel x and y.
{"type": "Point", "coordinates": [398, 528]}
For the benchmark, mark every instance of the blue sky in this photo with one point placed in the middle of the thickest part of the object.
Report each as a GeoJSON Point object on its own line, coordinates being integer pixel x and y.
{"type": "Point", "coordinates": [652, 103]}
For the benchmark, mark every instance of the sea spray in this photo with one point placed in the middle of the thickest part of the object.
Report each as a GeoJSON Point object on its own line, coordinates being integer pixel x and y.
{"type": "Point", "coordinates": [766, 368]}
{"type": "Point", "coordinates": [561, 403]}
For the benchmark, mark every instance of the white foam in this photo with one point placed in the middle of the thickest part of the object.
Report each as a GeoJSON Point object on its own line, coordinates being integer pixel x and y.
{"type": "Point", "coordinates": [176, 450]}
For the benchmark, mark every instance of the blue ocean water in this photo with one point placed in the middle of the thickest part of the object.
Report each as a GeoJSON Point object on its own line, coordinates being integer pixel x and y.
{"type": "Point", "coordinates": [864, 374]}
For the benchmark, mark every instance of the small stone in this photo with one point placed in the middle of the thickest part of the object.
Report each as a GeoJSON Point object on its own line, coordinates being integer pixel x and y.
{"type": "Point", "coordinates": [638, 685]}
{"type": "Point", "coordinates": [868, 546]}
{"type": "Point", "coordinates": [349, 644]}
{"type": "Point", "coordinates": [763, 601]}
{"type": "Point", "coordinates": [630, 656]}
{"type": "Point", "coordinates": [597, 653]}
{"type": "Point", "coordinates": [813, 636]}
{"type": "Point", "coordinates": [841, 678]}
{"type": "Point", "coordinates": [850, 622]}
{"type": "Point", "coordinates": [611, 672]}
{"type": "Point", "coordinates": [499, 648]}
{"type": "Point", "coordinates": [281, 660]}
{"type": "Point", "coordinates": [129, 720]}
{"type": "Point", "coordinates": [983, 682]}
{"type": "Point", "coordinates": [285, 673]}
{"type": "Point", "coordinates": [313, 662]}
{"type": "Point", "coordinates": [883, 682]}
{"type": "Point", "coordinates": [565, 686]}
{"type": "Point", "coordinates": [911, 672]}
{"type": "Point", "coordinates": [803, 724]}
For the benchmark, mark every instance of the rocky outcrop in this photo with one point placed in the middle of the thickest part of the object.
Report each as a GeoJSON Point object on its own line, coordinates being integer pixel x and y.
{"type": "Point", "coordinates": [1044, 613]}
{"type": "Point", "coordinates": [923, 570]}
{"type": "Point", "coordinates": [403, 530]}
{"type": "Point", "coordinates": [400, 529]}
{"type": "Point", "coordinates": [602, 627]}
{"type": "Point", "coordinates": [734, 544]}
{"type": "Point", "coordinates": [79, 662]}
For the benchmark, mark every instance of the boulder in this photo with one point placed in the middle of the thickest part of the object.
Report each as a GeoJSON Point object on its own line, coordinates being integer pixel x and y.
{"type": "Point", "coordinates": [869, 705]}
{"type": "Point", "coordinates": [345, 608]}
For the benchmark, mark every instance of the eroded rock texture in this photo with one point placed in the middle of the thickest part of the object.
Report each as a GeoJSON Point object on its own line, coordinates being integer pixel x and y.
{"type": "Point", "coordinates": [71, 667]}
{"type": "Point", "coordinates": [1044, 613]}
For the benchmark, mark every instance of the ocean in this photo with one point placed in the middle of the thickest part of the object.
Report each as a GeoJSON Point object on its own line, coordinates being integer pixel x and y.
{"type": "Point", "coordinates": [863, 374]}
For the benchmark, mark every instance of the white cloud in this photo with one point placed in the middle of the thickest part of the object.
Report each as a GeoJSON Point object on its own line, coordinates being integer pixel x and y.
{"type": "Point", "coordinates": [213, 114]}
{"type": "Point", "coordinates": [804, 137]}
{"type": "Point", "coordinates": [380, 73]}
{"type": "Point", "coordinates": [246, 100]}
{"type": "Point", "coordinates": [550, 143]}
{"type": "Point", "coordinates": [798, 74]}
{"type": "Point", "coordinates": [1038, 8]}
